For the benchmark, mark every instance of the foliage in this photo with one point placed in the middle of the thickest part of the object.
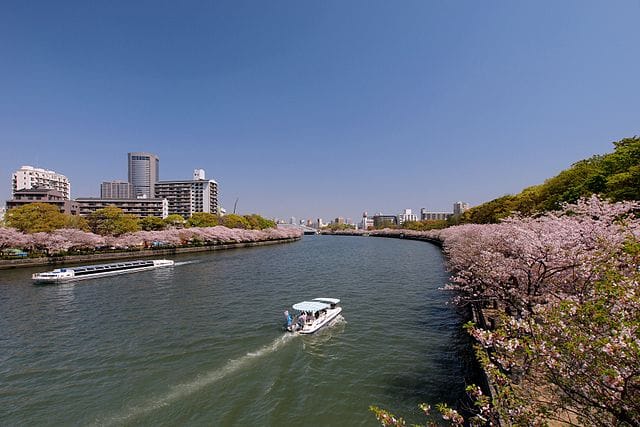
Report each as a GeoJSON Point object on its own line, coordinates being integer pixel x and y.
{"type": "Point", "coordinates": [338, 227]}
{"type": "Point", "coordinates": [424, 225]}
{"type": "Point", "coordinates": [563, 291]}
{"type": "Point", "coordinates": [567, 342]}
{"type": "Point", "coordinates": [112, 221]}
{"type": "Point", "coordinates": [385, 224]}
{"type": "Point", "coordinates": [614, 176]}
{"type": "Point", "coordinates": [485, 414]}
{"type": "Point", "coordinates": [152, 223]}
{"type": "Point", "coordinates": [257, 222]}
{"type": "Point", "coordinates": [76, 222]}
{"type": "Point", "coordinates": [66, 240]}
{"type": "Point", "coordinates": [202, 219]}
{"type": "Point", "coordinates": [36, 217]}
{"type": "Point", "coordinates": [175, 221]}
{"type": "Point", "coordinates": [234, 221]}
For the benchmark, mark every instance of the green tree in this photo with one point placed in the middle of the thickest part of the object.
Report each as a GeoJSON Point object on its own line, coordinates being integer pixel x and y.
{"type": "Point", "coordinates": [614, 176]}
{"type": "Point", "coordinates": [491, 212]}
{"type": "Point", "coordinates": [424, 225]}
{"type": "Point", "coordinates": [112, 221]}
{"type": "Point", "coordinates": [257, 222]}
{"type": "Point", "coordinates": [175, 220]}
{"type": "Point", "coordinates": [234, 221]}
{"type": "Point", "coordinates": [36, 217]}
{"type": "Point", "coordinates": [334, 226]}
{"type": "Point", "coordinates": [202, 219]}
{"type": "Point", "coordinates": [77, 222]}
{"type": "Point", "coordinates": [152, 223]}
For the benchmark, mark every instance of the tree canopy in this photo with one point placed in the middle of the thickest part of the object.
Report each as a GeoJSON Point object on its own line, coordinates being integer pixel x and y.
{"type": "Point", "coordinates": [203, 219]}
{"type": "Point", "coordinates": [152, 223]}
{"type": "Point", "coordinates": [614, 176]}
{"type": "Point", "coordinates": [112, 221]}
{"type": "Point", "coordinates": [41, 217]}
{"type": "Point", "coordinates": [175, 220]}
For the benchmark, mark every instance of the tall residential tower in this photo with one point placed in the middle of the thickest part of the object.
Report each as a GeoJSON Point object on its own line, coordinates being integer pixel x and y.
{"type": "Point", "coordinates": [144, 172]}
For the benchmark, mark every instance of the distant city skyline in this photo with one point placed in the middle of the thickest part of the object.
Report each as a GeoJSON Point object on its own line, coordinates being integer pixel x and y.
{"type": "Point", "coordinates": [318, 109]}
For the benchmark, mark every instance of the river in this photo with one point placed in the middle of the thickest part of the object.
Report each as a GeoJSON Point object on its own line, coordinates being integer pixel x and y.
{"type": "Point", "coordinates": [200, 343]}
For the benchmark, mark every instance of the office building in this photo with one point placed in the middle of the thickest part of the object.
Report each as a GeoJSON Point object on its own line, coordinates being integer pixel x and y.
{"type": "Point", "coordinates": [116, 190]}
{"type": "Point", "coordinates": [187, 197]}
{"type": "Point", "coordinates": [28, 177]}
{"type": "Point", "coordinates": [43, 195]}
{"type": "Point", "coordinates": [144, 172]}
{"type": "Point", "coordinates": [138, 207]}
{"type": "Point", "coordinates": [380, 220]}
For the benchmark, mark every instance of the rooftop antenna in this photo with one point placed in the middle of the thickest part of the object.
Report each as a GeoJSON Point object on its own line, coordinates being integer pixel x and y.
{"type": "Point", "coordinates": [235, 204]}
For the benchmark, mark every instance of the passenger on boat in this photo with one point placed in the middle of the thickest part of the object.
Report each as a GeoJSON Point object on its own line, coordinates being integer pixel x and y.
{"type": "Point", "coordinates": [288, 319]}
{"type": "Point", "coordinates": [302, 319]}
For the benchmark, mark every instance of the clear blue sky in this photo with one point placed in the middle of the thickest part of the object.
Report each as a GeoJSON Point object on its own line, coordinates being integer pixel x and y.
{"type": "Point", "coordinates": [319, 109]}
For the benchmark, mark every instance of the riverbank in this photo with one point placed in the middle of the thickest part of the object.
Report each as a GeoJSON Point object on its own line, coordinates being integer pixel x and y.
{"type": "Point", "coordinates": [141, 253]}
{"type": "Point", "coordinates": [389, 233]}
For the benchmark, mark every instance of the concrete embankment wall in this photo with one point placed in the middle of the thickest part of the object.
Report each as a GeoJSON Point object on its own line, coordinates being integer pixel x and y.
{"type": "Point", "coordinates": [436, 242]}
{"type": "Point", "coordinates": [92, 258]}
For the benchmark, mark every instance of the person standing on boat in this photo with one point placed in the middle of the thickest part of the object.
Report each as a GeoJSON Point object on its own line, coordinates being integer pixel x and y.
{"type": "Point", "coordinates": [288, 318]}
{"type": "Point", "coordinates": [302, 319]}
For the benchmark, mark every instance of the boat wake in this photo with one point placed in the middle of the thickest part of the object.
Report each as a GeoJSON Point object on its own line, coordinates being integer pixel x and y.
{"type": "Point", "coordinates": [201, 381]}
{"type": "Point", "coordinates": [186, 262]}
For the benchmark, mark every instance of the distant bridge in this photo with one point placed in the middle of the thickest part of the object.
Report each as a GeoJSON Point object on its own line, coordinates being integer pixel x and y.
{"type": "Point", "coordinates": [303, 228]}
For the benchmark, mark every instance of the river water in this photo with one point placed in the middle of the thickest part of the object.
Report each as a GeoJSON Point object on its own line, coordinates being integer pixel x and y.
{"type": "Point", "coordinates": [201, 344]}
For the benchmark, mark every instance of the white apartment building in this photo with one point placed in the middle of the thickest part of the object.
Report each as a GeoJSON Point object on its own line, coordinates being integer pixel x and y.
{"type": "Point", "coordinates": [28, 177]}
{"type": "Point", "coordinates": [187, 197]}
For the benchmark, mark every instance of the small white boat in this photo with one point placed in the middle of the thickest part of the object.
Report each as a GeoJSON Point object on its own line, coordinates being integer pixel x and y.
{"type": "Point", "coordinates": [313, 315]}
{"type": "Point", "coordinates": [63, 275]}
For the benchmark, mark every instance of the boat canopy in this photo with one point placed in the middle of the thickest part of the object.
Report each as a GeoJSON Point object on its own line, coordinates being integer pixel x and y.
{"type": "Point", "coordinates": [328, 300]}
{"type": "Point", "coordinates": [312, 306]}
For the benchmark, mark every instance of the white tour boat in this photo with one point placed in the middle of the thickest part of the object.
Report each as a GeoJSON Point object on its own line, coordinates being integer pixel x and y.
{"type": "Point", "coordinates": [313, 315]}
{"type": "Point", "coordinates": [70, 274]}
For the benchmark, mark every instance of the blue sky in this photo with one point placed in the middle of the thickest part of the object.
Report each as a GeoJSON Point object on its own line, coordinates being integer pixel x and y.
{"type": "Point", "coordinates": [319, 109]}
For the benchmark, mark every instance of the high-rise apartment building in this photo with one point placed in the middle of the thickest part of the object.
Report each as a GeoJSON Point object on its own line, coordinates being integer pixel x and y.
{"type": "Point", "coordinates": [116, 190]}
{"type": "Point", "coordinates": [144, 172]}
{"type": "Point", "coordinates": [187, 197]}
{"type": "Point", "coordinates": [460, 207]}
{"type": "Point", "coordinates": [28, 177]}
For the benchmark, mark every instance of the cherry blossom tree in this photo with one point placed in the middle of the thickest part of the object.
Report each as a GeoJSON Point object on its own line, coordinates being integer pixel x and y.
{"type": "Point", "coordinates": [565, 290]}
{"type": "Point", "coordinates": [568, 341]}
{"type": "Point", "coordinates": [12, 238]}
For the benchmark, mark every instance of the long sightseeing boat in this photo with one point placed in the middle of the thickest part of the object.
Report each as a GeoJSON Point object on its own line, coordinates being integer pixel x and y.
{"type": "Point", "coordinates": [313, 315]}
{"type": "Point", "coordinates": [70, 274]}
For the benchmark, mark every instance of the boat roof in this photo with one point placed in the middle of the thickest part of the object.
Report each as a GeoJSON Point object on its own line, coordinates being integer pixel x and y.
{"type": "Point", "coordinates": [310, 306]}
{"type": "Point", "coordinates": [112, 264]}
{"type": "Point", "coordinates": [328, 300]}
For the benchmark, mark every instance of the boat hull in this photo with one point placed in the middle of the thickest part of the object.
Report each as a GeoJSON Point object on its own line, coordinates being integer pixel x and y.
{"type": "Point", "coordinates": [50, 279]}
{"type": "Point", "coordinates": [321, 322]}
